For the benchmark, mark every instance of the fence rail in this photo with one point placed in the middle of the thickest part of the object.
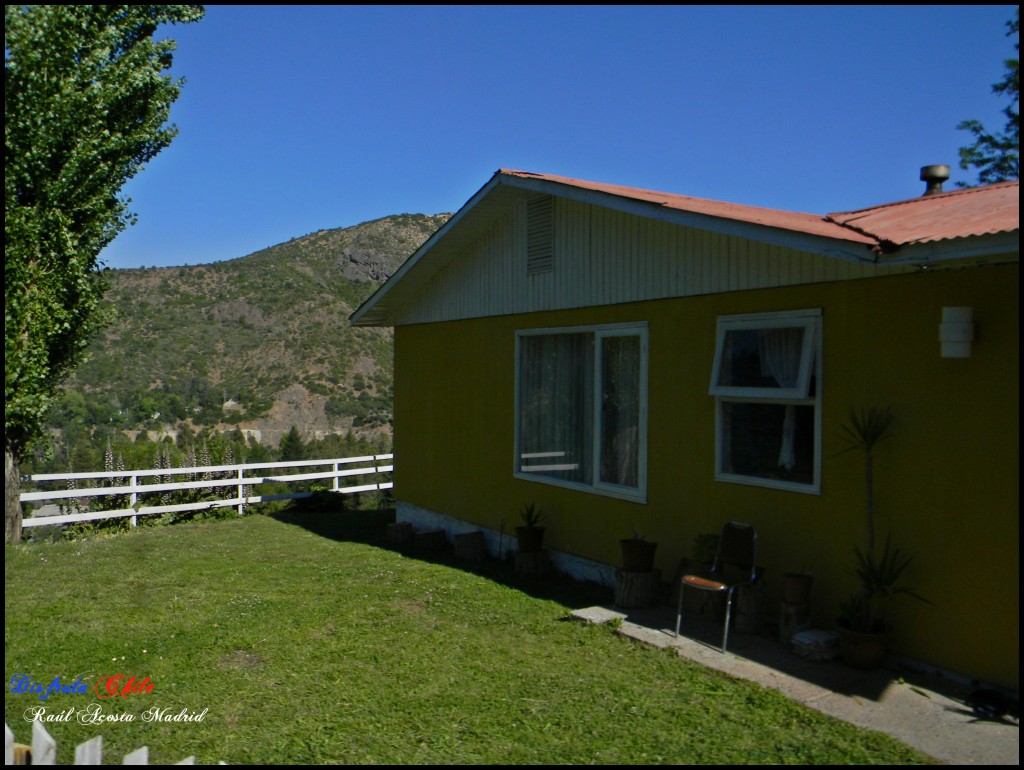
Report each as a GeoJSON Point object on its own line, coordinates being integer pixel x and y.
{"type": "Point", "coordinates": [133, 485]}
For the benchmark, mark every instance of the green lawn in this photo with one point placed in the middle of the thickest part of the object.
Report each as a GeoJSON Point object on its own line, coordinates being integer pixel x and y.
{"type": "Point", "coordinates": [313, 644]}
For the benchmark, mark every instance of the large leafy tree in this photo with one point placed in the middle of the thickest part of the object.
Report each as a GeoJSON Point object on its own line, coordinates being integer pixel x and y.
{"type": "Point", "coordinates": [86, 100]}
{"type": "Point", "coordinates": [997, 156]}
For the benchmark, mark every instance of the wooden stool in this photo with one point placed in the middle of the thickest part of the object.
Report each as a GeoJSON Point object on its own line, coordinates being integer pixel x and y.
{"type": "Point", "coordinates": [635, 590]}
{"type": "Point", "coordinates": [400, 533]}
{"type": "Point", "coordinates": [430, 540]}
{"type": "Point", "coordinates": [531, 563]}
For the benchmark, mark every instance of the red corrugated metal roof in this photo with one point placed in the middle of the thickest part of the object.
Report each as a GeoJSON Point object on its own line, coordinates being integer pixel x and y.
{"type": "Point", "coordinates": [814, 224]}
{"type": "Point", "coordinates": [985, 210]}
{"type": "Point", "coordinates": [990, 214]}
{"type": "Point", "coordinates": [958, 214]}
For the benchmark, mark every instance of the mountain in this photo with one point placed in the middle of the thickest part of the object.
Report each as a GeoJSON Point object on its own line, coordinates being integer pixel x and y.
{"type": "Point", "coordinates": [260, 343]}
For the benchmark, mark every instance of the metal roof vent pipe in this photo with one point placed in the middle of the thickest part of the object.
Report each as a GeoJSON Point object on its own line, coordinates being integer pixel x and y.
{"type": "Point", "coordinates": [934, 176]}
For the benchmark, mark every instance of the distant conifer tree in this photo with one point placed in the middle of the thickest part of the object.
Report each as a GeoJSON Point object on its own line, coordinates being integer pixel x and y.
{"type": "Point", "coordinates": [292, 446]}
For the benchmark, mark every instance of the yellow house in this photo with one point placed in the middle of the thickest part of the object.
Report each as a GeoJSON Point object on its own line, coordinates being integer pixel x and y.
{"type": "Point", "coordinates": [630, 360]}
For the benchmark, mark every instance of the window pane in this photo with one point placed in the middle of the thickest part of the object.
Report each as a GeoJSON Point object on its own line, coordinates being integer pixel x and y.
{"type": "Point", "coordinates": [761, 358]}
{"type": "Point", "coordinates": [769, 441]}
{"type": "Point", "coordinates": [620, 410]}
{"type": "Point", "coordinates": [556, 392]}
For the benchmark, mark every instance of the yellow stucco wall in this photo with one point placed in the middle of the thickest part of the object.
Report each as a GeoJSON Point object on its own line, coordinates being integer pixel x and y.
{"type": "Point", "coordinates": [946, 483]}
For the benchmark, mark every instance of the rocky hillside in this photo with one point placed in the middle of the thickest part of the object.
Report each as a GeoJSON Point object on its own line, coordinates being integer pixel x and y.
{"type": "Point", "coordinates": [259, 343]}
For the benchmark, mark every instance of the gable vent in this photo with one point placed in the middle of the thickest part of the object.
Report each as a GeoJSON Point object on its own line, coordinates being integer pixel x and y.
{"type": "Point", "coordinates": [540, 234]}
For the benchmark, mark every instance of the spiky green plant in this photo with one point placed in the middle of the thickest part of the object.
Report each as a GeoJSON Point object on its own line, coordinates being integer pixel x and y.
{"type": "Point", "coordinates": [865, 428]}
{"type": "Point", "coordinates": [532, 515]}
{"type": "Point", "coordinates": [879, 580]}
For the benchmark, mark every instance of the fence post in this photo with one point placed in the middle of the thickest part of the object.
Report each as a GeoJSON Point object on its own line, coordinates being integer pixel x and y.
{"type": "Point", "coordinates": [335, 482]}
{"type": "Point", "coordinates": [44, 748]}
{"type": "Point", "coordinates": [90, 752]}
{"type": "Point", "coordinates": [137, 757]}
{"type": "Point", "coordinates": [241, 492]}
{"type": "Point", "coordinates": [133, 498]}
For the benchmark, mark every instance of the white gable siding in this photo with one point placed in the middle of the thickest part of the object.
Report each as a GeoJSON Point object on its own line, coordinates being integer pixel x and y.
{"type": "Point", "coordinates": [601, 257]}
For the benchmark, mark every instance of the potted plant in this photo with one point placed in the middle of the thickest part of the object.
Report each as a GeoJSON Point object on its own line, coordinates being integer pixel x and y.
{"type": "Point", "coordinates": [638, 553]}
{"type": "Point", "coordinates": [705, 546]}
{"type": "Point", "coordinates": [531, 534]}
{"type": "Point", "coordinates": [863, 632]}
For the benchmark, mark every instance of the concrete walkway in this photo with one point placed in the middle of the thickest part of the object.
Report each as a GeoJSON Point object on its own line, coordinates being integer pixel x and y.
{"type": "Point", "coordinates": [925, 712]}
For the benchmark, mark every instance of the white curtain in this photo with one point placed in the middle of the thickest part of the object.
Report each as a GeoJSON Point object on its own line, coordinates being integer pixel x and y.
{"type": "Point", "coordinates": [620, 410]}
{"type": "Point", "coordinates": [780, 351]}
{"type": "Point", "coordinates": [556, 405]}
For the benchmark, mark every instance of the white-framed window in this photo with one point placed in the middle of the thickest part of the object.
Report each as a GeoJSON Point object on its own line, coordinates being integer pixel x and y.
{"type": "Point", "coordinates": [766, 380]}
{"type": "Point", "coordinates": [581, 408]}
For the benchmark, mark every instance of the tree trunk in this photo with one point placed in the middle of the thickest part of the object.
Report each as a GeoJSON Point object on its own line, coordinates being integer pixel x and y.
{"type": "Point", "coordinates": [12, 495]}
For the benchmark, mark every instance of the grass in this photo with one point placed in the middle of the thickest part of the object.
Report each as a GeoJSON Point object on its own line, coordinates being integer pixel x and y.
{"type": "Point", "coordinates": [309, 643]}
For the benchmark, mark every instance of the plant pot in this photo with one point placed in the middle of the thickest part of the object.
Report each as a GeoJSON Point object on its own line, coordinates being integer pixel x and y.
{"type": "Point", "coordinates": [531, 539]}
{"type": "Point", "coordinates": [863, 649]}
{"type": "Point", "coordinates": [796, 588]}
{"type": "Point", "coordinates": [637, 555]}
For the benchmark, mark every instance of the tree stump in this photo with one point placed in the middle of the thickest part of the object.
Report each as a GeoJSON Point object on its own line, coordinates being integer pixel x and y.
{"type": "Point", "coordinates": [430, 540]}
{"type": "Point", "coordinates": [469, 546]}
{"type": "Point", "coordinates": [400, 533]}
{"type": "Point", "coordinates": [747, 609]}
{"type": "Point", "coordinates": [714, 604]}
{"type": "Point", "coordinates": [531, 563]}
{"type": "Point", "coordinates": [635, 590]}
{"type": "Point", "coordinates": [794, 618]}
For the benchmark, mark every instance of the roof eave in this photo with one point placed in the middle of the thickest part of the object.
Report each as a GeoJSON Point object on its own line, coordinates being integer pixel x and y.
{"type": "Point", "coordinates": [363, 315]}
{"type": "Point", "coordinates": [972, 247]}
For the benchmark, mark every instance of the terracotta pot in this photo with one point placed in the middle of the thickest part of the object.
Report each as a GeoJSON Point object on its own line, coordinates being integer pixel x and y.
{"type": "Point", "coordinates": [531, 539]}
{"type": "Point", "coordinates": [637, 555]}
{"type": "Point", "coordinates": [862, 649]}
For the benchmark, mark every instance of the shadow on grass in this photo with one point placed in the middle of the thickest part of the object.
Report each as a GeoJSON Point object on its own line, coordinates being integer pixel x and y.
{"type": "Point", "coordinates": [326, 519]}
{"type": "Point", "coordinates": [329, 520]}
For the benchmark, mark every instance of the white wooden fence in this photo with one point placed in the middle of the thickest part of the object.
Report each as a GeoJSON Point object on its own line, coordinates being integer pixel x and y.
{"type": "Point", "coordinates": [372, 473]}
{"type": "Point", "coordinates": [44, 751]}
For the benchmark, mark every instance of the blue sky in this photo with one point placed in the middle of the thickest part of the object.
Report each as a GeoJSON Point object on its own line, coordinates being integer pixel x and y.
{"type": "Point", "coordinates": [294, 119]}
